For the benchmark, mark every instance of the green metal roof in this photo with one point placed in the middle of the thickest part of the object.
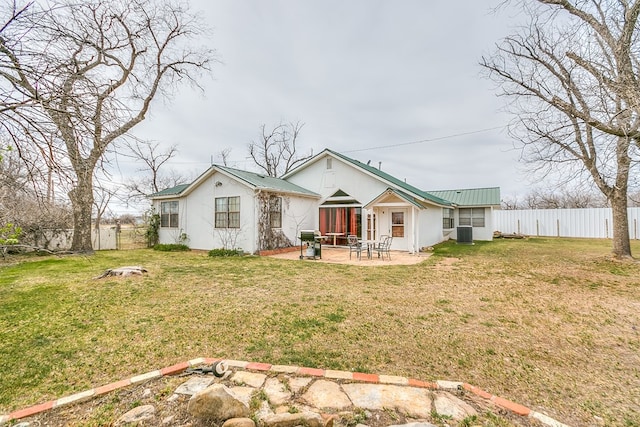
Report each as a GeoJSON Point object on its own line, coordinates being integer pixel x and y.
{"type": "Point", "coordinates": [173, 191]}
{"type": "Point", "coordinates": [266, 182]}
{"type": "Point", "coordinates": [407, 187]}
{"type": "Point", "coordinates": [255, 180]}
{"type": "Point", "coordinates": [471, 196]}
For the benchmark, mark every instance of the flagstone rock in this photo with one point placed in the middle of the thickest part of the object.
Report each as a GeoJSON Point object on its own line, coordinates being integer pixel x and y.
{"type": "Point", "coordinates": [276, 392]}
{"type": "Point", "coordinates": [449, 405]}
{"type": "Point", "coordinates": [413, 425]}
{"type": "Point", "coordinates": [249, 378]}
{"type": "Point", "coordinates": [326, 394]}
{"type": "Point", "coordinates": [414, 402]}
{"type": "Point", "coordinates": [298, 383]}
{"type": "Point", "coordinates": [136, 415]}
{"type": "Point", "coordinates": [194, 385]}
{"type": "Point", "coordinates": [264, 411]}
{"type": "Point", "coordinates": [217, 402]}
{"type": "Point", "coordinates": [286, 400]}
{"type": "Point", "coordinates": [308, 419]}
{"type": "Point", "coordinates": [239, 422]}
{"type": "Point", "coordinates": [243, 394]}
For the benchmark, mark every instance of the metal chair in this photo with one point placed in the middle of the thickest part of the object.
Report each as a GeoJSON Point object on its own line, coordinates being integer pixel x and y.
{"type": "Point", "coordinates": [354, 246]}
{"type": "Point", "coordinates": [385, 247]}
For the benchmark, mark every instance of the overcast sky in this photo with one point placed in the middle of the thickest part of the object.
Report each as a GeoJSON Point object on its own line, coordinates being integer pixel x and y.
{"type": "Point", "coordinates": [366, 77]}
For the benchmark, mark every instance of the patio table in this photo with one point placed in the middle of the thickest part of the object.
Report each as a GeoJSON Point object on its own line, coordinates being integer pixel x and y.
{"type": "Point", "coordinates": [334, 236]}
{"type": "Point", "coordinates": [371, 245]}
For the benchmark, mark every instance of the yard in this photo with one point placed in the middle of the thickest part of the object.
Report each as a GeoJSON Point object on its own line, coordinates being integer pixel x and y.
{"type": "Point", "coordinates": [552, 324]}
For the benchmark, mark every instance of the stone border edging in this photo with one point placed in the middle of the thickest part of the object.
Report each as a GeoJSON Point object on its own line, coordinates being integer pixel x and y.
{"type": "Point", "coordinates": [297, 370]}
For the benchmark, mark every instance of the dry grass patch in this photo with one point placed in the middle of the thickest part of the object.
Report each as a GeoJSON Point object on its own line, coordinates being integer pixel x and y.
{"type": "Point", "coordinates": [552, 324]}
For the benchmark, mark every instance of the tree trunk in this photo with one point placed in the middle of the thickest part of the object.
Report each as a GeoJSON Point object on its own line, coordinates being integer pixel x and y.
{"type": "Point", "coordinates": [82, 202]}
{"type": "Point", "coordinates": [621, 241]}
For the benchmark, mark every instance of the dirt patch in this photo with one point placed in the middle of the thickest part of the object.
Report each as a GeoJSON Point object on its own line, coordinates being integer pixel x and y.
{"type": "Point", "coordinates": [446, 264]}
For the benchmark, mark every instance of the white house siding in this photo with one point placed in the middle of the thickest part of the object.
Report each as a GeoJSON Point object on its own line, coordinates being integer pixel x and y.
{"type": "Point", "coordinates": [364, 188]}
{"type": "Point", "coordinates": [479, 233]}
{"type": "Point", "coordinates": [590, 223]}
{"type": "Point", "coordinates": [430, 231]}
{"type": "Point", "coordinates": [356, 183]}
{"type": "Point", "coordinates": [169, 235]}
{"type": "Point", "coordinates": [197, 216]}
{"type": "Point", "coordinates": [202, 220]}
{"type": "Point", "coordinates": [298, 213]}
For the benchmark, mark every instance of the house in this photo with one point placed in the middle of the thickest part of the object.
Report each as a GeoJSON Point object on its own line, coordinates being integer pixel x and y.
{"type": "Point", "coordinates": [332, 193]}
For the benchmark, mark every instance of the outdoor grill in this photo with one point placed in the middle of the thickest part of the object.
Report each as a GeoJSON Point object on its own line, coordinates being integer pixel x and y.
{"type": "Point", "coordinates": [310, 244]}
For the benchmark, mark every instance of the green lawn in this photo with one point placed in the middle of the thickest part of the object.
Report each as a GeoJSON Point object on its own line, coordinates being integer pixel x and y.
{"type": "Point", "coordinates": [550, 323]}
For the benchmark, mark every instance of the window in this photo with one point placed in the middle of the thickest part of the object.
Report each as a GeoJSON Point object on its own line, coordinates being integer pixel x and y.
{"type": "Point", "coordinates": [397, 224]}
{"type": "Point", "coordinates": [447, 218]}
{"type": "Point", "coordinates": [329, 163]}
{"type": "Point", "coordinates": [471, 216]}
{"type": "Point", "coordinates": [169, 214]}
{"type": "Point", "coordinates": [227, 212]}
{"type": "Point", "coordinates": [275, 211]}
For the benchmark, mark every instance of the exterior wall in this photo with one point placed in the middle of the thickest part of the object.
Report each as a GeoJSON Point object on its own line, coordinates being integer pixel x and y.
{"type": "Point", "coordinates": [364, 188]}
{"type": "Point", "coordinates": [430, 225]}
{"type": "Point", "coordinates": [319, 179]}
{"type": "Point", "coordinates": [202, 232]}
{"type": "Point", "coordinates": [588, 223]}
{"type": "Point", "coordinates": [196, 216]}
{"type": "Point", "coordinates": [169, 235]}
{"type": "Point", "coordinates": [479, 233]}
{"type": "Point", "coordinates": [299, 213]}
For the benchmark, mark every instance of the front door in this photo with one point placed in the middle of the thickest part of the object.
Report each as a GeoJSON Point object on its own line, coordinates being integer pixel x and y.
{"type": "Point", "coordinates": [398, 228]}
{"type": "Point", "coordinates": [394, 222]}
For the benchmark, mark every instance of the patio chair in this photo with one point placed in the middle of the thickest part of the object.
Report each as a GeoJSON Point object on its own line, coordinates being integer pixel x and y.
{"type": "Point", "coordinates": [383, 238]}
{"type": "Point", "coordinates": [354, 246]}
{"type": "Point", "coordinates": [384, 247]}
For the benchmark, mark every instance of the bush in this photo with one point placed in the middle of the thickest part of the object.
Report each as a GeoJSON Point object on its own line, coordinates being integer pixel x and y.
{"type": "Point", "coordinates": [9, 234]}
{"type": "Point", "coordinates": [225, 252]}
{"type": "Point", "coordinates": [173, 247]}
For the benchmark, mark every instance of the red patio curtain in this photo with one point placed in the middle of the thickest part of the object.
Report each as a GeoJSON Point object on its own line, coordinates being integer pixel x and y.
{"type": "Point", "coordinates": [325, 220]}
{"type": "Point", "coordinates": [353, 222]}
{"type": "Point", "coordinates": [341, 219]}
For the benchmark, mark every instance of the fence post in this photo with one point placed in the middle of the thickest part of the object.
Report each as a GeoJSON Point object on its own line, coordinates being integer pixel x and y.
{"type": "Point", "coordinates": [558, 227]}
{"type": "Point", "coordinates": [518, 226]}
{"type": "Point", "coordinates": [538, 227]}
{"type": "Point", "coordinates": [606, 227]}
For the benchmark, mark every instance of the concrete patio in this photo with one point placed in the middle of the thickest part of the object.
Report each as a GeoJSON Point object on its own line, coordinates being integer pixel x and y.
{"type": "Point", "coordinates": [340, 255]}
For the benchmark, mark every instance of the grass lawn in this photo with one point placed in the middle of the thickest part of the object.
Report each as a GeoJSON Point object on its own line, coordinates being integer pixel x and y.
{"type": "Point", "coordinates": [552, 324]}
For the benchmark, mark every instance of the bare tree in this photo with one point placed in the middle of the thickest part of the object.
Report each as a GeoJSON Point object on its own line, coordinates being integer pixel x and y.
{"type": "Point", "coordinates": [224, 155]}
{"type": "Point", "coordinates": [154, 176]}
{"type": "Point", "coordinates": [571, 77]}
{"type": "Point", "coordinates": [84, 74]}
{"type": "Point", "coordinates": [22, 205]}
{"type": "Point", "coordinates": [563, 199]}
{"type": "Point", "coordinates": [276, 151]}
{"type": "Point", "coordinates": [102, 196]}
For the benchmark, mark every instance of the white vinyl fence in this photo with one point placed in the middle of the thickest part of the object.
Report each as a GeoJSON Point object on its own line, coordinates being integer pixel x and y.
{"type": "Point", "coordinates": [593, 222]}
{"type": "Point", "coordinates": [57, 240]}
